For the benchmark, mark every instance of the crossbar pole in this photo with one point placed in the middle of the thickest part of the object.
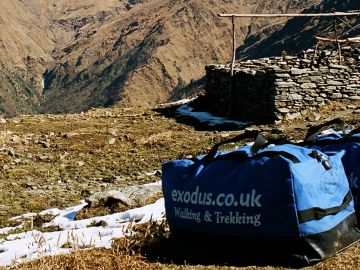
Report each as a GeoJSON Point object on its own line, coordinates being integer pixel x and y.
{"type": "Point", "coordinates": [333, 14]}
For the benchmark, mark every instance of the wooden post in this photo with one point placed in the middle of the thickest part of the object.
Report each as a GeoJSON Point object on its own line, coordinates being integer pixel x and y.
{"type": "Point", "coordinates": [232, 67]}
{"type": "Point", "coordinates": [233, 46]}
{"type": "Point", "coordinates": [337, 40]}
{"type": "Point", "coordinates": [332, 14]}
{"type": "Point", "coordinates": [315, 52]}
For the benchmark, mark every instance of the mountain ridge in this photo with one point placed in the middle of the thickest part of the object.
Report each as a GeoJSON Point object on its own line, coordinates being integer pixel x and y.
{"type": "Point", "coordinates": [84, 54]}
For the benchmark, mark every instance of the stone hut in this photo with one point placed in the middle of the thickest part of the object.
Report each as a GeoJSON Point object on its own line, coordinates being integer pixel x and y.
{"type": "Point", "coordinates": [284, 87]}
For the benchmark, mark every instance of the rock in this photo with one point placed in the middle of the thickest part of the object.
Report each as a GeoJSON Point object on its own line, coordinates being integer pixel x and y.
{"type": "Point", "coordinates": [282, 75]}
{"type": "Point", "coordinates": [336, 95]}
{"type": "Point", "coordinates": [295, 97]}
{"type": "Point", "coordinates": [113, 131]}
{"type": "Point", "coordinates": [81, 163]}
{"type": "Point", "coordinates": [285, 84]}
{"type": "Point", "coordinates": [308, 85]}
{"type": "Point", "coordinates": [17, 161]}
{"type": "Point", "coordinates": [296, 71]}
{"type": "Point", "coordinates": [225, 135]}
{"type": "Point", "coordinates": [112, 179]}
{"type": "Point", "coordinates": [112, 140]}
{"type": "Point", "coordinates": [313, 117]}
{"type": "Point", "coordinates": [69, 135]}
{"type": "Point", "coordinates": [130, 197]}
{"type": "Point", "coordinates": [3, 121]}
{"type": "Point", "coordinates": [42, 157]}
{"type": "Point", "coordinates": [338, 66]}
{"type": "Point", "coordinates": [15, 138]}
{"type": "Point", "coordinates": [44, 144]}
{"type": "Point", "coordinates": [334, 83]}
{"type": "Point", "coordinates": [30, 185]}
{"type": "Point", "coordinates": [291, 116]}
{"type": "Point", "coordinates": [283, 110]}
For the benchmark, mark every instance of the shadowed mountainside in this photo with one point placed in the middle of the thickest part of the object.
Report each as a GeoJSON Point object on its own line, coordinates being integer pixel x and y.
{"type": "Point", "coordinates": [298, 33]}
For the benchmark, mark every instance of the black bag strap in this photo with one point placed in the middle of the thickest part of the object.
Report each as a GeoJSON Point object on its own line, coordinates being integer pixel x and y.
{"type": "Point", "coordinates": [317, 213]}
{"type": "Point", "coordinates": [241, 156]}
{"type": "Point", "coordinates": [355, 131]}
{"type": "Point", "coordinates": [325, 142]}
{"type": "Point", "coordinates": [261, 143]}
{"type": "Point", "coordinates": [246, 135]}
{"type": "Point", "coordinates": [314, 131]}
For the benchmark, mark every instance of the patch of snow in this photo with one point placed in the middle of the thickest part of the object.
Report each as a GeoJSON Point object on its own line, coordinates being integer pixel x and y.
{"type": "Point", "coordinates": [18, 248]}
{"type": "Point", "coordinates": [27, 215]}
{"type": "Point", "coordinates": [332, 131]}
{"type": "Point", "coordinates": [207, 117]}
{"type": "Point", "coordinates": [179, 102]}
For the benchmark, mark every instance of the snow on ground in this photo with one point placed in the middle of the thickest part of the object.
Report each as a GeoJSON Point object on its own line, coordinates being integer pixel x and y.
{"type": "Point", "coordinates": [212, 120]}
{"type": "Point", "coordinates": [17, 248]}
{"type": "Point", "coordinates": [179, 102]}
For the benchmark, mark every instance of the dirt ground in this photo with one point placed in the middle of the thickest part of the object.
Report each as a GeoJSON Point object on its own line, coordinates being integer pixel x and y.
{"type": "Point", "coordinates": [55, 160]}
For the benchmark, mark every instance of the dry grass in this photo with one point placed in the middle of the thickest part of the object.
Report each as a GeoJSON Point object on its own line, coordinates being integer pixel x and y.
{"type": "Point", "coordinates": [96, 259]}
{"type": "Point", "coordinates": [153, 247]}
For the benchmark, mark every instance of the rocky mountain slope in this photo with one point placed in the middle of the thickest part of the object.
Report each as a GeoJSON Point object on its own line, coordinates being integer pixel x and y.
{"type": "Point", "coordinates": [298, 33]}
{"type": "Point", "coordinates": [145, 58]}
{"type": "Point", "coordinates": [128, 52]}
{"type": "Point", "coordinates": [30, 33]}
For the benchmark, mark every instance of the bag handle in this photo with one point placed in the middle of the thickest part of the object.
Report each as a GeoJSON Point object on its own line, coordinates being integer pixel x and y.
{"type": "Point", "coordinates": [355, 131]}
{"type": "Point", "coordinates": [243, 157]}
{"type": "Point", "coordinates": [314, 131]}
{"type": "Point", "coordinates": [261, 143]}
{"type": "Point", "coordinates": [252, 134]}
{"type": "Point", "coordinates": [317, 213]}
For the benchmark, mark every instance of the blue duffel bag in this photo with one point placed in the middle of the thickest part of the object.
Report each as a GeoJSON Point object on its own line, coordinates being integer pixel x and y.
{"type": "Point", "coordinates": [289, 197]}
{"type": "Point", "coordinates": [336, 142]}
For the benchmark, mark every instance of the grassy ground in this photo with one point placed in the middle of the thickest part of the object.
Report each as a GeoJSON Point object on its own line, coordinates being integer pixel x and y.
{"type": "Point", "coordinates": [55, 160]}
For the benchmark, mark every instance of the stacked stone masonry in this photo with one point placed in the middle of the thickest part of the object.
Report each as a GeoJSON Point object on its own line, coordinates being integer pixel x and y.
{"type": "Point", "coordinates": [283, 87]}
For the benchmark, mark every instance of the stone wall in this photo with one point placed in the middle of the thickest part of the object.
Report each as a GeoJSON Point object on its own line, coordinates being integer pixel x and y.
{"type": "Point", "coordinates": [284, 87]}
